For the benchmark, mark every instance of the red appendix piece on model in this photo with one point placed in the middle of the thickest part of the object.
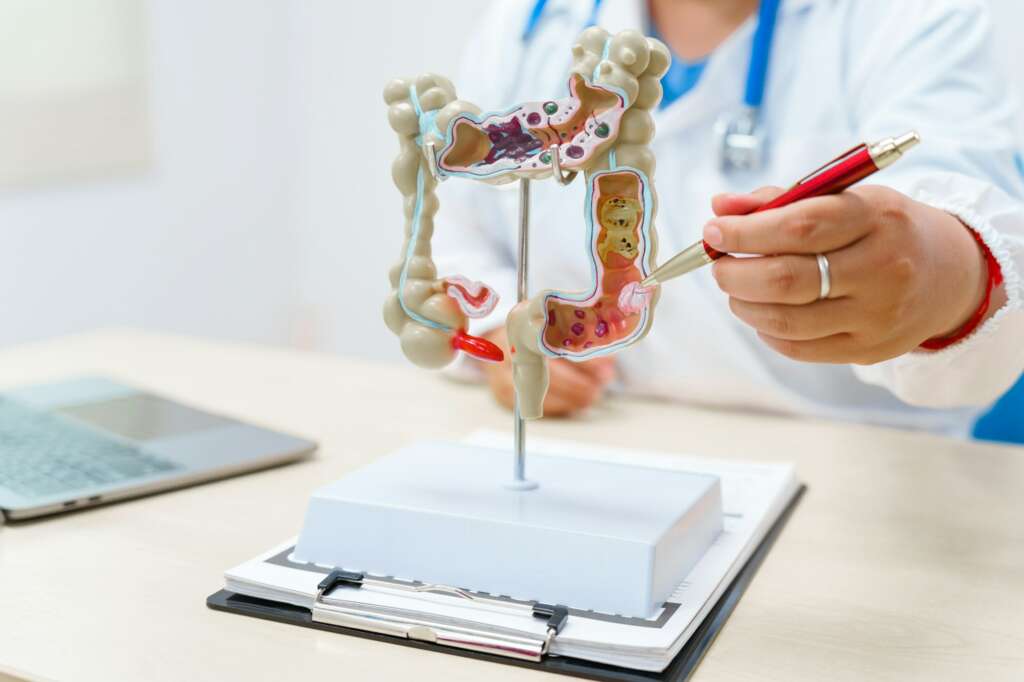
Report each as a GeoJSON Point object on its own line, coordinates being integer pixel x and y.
{"type": "Point", "coordinates": [479, 348]}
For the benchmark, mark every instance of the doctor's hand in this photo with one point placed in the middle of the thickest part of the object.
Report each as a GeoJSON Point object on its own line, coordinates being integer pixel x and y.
{"type": "Point", "coordinates": [902, 272]}
{"type": "Point", "coordinates": [574, 386]}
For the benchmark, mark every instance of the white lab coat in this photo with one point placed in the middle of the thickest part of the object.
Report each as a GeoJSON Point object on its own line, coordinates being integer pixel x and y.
{"type": "Point", "coordinates": [842, 72]}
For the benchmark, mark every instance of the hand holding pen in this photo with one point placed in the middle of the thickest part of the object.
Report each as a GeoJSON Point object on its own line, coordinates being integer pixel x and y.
{"type": "Point", "coordinates": [855, 277]}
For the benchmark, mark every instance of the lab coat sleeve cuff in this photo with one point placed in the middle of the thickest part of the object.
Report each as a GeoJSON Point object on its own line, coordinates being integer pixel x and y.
{"type": "Point", "coordinates": [977, 370]}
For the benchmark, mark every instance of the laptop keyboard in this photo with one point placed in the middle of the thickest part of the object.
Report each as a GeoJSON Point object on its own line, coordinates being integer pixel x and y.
{"type": "Point", "coordinates": [43, 454]}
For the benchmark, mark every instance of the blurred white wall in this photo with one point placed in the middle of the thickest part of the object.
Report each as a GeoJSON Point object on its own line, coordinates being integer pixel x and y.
{"type": "Point", "coordinates": [77, 101]}
{"type": "Point", "coordinates": [200, 243]}
{"type": "Point", "coordinates": [269, 214]}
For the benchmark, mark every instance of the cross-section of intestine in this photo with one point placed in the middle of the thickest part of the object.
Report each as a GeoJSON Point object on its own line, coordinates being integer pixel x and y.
{"type": "Point", "coordinates": [604, 128]}
{"type": "Point", "coordinates": [475, 299]}
{"type": "Point", "coordinates": [593, 323]}
{"type": "Point", "coordinates": [520, 141]}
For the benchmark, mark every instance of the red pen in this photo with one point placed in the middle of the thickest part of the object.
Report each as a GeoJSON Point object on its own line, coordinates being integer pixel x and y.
{"type": "Point", "coordinates": [832, 178]}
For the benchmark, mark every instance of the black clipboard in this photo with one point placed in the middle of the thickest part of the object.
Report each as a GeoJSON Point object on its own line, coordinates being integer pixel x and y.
{"type": "Point", "coordinates": [679, 670]}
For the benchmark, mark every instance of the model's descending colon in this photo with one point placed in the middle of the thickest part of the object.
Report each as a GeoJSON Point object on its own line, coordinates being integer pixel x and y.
{"type": "Point", "coordinates": [604, 128]}
{"type": "Point", "coordinates": [614, 311]}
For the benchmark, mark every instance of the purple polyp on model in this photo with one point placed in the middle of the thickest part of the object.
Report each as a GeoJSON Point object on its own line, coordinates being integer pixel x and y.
{"type": "Point", "coordinates": [509, 140]}
{"type": "Point", "coordinates": [574, 151]}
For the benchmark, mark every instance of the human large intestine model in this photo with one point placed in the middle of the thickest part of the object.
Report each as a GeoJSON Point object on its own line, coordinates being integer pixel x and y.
{"type": "Point", "coordinates": [604, 128]}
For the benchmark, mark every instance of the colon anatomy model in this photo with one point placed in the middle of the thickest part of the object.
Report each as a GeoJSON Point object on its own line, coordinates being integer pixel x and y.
{"type": "Point", "coordinates": [604, 128]}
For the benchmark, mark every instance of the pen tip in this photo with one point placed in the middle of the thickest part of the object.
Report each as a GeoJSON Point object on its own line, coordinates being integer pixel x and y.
{"type": "Point", "coordinates": [649, 282]}
{"type": "Point", "coordinates": [907, 141]}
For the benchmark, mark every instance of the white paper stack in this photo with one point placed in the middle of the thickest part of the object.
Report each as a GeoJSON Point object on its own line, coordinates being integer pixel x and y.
{"type": "Point", "coordinates": [753, 495]}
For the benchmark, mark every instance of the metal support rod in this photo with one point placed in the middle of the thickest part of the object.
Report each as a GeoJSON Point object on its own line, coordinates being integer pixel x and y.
{"type": "Point", "coordinates": [523, 255]}
{"type": "Point", "coordinates": [522, 266]}
{"type": "Point", "coordinates": [561, 177]}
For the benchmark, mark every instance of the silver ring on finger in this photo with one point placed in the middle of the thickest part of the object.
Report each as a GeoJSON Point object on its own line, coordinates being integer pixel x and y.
{"type": "Point", "coordinates": [826, 277]}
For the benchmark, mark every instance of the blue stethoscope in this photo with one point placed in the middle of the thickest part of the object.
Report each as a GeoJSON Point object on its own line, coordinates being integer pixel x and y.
{"type": "Point", "coordinates": [739, 135]}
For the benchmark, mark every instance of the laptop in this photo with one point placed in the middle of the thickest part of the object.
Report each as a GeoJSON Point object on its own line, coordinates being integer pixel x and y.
{"type": "Point", "coordinates": [90, 441]}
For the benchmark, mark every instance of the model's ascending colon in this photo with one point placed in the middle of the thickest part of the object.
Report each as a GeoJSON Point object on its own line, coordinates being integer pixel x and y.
{"type": "Point", "coordinates": [604, 127]}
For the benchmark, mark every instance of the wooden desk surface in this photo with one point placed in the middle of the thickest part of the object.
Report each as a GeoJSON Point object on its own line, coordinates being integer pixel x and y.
{"type": "Point", "coordinates": [904, 561]}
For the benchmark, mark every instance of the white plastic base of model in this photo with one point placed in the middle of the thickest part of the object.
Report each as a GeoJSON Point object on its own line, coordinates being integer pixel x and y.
{"type": "Point", "coordinates": [607, 537]}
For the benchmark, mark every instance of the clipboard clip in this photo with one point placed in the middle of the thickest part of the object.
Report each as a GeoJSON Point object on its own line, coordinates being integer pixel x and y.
{"type": "Point", "coordinates": [352, 614]}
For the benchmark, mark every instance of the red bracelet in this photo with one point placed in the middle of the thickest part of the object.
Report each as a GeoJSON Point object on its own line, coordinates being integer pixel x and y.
{"type": "Point", "coordinates": [995, 278]}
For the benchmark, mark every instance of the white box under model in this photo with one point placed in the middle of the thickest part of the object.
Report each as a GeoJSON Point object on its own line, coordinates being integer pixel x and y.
{"type": "Point", "coordinates": [606, 537]}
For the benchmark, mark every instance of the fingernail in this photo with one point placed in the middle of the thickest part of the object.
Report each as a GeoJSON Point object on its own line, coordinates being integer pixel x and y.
{"type": "Point", "coordinates": [713, 235]}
